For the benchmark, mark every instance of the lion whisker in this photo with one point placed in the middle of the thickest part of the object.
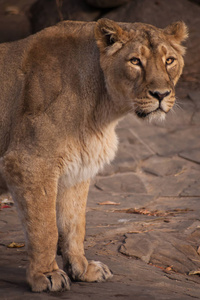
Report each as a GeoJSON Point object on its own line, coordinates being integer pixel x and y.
{"type": "Point", "coordinates": [177, 105]}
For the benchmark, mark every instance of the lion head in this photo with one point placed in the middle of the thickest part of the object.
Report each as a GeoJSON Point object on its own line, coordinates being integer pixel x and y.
{"type": "Point", "coordinates": [141, 65]}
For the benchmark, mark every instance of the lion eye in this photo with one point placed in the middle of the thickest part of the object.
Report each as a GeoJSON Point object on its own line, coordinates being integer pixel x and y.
{"type": "Point", "coordinates": [135, 61]}
{"type": "Point", "coordinates": [170, 60]}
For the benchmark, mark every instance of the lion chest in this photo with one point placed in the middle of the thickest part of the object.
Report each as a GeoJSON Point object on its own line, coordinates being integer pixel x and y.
{"type": "Point", "coordinates": [89, 157]}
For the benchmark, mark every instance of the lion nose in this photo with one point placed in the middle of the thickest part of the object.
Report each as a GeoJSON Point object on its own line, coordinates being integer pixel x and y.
{"type": "Point", "coordinates": [159, 96]}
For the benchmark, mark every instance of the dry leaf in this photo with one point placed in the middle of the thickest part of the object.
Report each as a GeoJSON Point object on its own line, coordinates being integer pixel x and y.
{"type": "Point", "coordinates": [108, 203]}
{"type": "Point", "coordinates": [7, 201]}
{"type": "Point", "coordinates": [139, 231]}
{"type": "Point", "coordinates": [5, 206]}
{"type": "Point", "coordinates": [179, 173]}
{"type": "Point", "coordinates": [198, 250]}
{"type": "Point", "coordinates": [154, 213]}
{"type": "Point", "coordinates": [140, 211]}
{"type": "Point", "coordinates": [12, 10]}
{"type": "Point", "coordinates": [159, 267]}
{"type": "Point", "coordinates": [194, 272]}
{"type": "Point", "coordinates": [168, 269]}
{"type": "Point", "coordinates": [15, 245]}
{"type": "Point", "coordinates": [111, 242]}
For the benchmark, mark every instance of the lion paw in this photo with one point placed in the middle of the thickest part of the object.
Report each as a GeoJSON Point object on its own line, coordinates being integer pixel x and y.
{"type": "Point", "coordinates": [53, 281]}
{"type": "Point", "coordinates": [96, 272]}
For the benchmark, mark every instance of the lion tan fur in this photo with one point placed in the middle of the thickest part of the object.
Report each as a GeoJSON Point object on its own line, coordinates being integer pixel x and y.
{"type": "Point", "coordinates": [63, 91]}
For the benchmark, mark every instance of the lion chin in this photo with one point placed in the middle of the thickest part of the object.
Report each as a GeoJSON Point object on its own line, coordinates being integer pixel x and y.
{"type": "Point", "coordinates": [155, 116]}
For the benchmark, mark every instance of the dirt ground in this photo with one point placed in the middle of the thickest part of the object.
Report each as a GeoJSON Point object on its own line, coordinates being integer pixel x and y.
{"type": "Point", "coordinates": [143, 212]}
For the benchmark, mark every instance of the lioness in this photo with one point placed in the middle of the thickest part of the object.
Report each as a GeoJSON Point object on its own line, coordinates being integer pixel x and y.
{"type": "Point", "coordinates": [63, 91]}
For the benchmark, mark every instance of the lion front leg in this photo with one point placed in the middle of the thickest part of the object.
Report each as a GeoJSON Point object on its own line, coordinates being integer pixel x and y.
{"type": "Point", "coordinates": [34, 189]}
{"type": "Point", "coordinates": [71, 204]}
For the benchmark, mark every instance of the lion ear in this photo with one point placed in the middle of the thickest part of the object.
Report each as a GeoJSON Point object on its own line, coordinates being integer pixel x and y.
{"type": "Point", "coordinates": [109, 34]}
{"type": "Point", "coordinates": [178, 31]}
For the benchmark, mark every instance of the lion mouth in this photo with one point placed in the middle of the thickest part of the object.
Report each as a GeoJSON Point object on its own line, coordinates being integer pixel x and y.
{"type": "Point", "coordinates": [142, 114]}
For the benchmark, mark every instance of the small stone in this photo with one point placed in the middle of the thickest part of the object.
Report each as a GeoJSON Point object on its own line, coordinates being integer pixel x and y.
{"type": "Point", "coordinates": [12, 10]}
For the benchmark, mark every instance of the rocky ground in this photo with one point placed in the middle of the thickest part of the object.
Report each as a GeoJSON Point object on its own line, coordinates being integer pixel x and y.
{"type": "Point", "coordinates": [143, 213]}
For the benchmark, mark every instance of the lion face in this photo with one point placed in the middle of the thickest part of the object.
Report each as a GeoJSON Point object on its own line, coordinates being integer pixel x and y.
{"type": "Point", "coordinates": [141, 65]}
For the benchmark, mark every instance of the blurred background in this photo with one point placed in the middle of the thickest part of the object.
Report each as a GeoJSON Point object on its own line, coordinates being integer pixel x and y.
{"type": "Point", "coordinates": [20, 18]}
